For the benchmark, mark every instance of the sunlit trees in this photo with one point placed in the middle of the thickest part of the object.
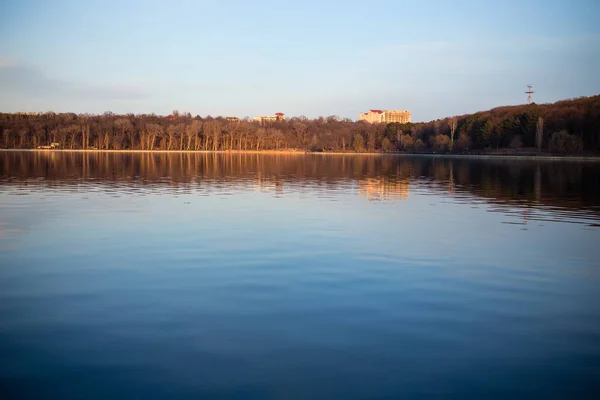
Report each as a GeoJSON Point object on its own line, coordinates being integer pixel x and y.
{"type": "Point", "coordinates": [172, 136]}
{"type": "Point", "coordinates": [124, 131]}
{"type": "Point", "coordinates": [525, 127]}
{"type": "Point", "coordinates": [300, 129]}
{"type": "Point", "coordinates": [277, 137]}
{"type": "Point", "coordinates": [149, 136]}
{"type": "Point", "coordinates": [191, 131]}
{"type": "Point", "coordinates": [260, 135]}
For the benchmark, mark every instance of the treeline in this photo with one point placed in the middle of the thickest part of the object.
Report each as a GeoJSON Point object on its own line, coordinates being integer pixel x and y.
{"type": "Point", "coordinates": [570, 126]}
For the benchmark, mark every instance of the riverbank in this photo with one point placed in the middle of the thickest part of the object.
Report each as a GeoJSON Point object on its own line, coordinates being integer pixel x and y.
{"type": "Point", "coordinates": [492, 156]}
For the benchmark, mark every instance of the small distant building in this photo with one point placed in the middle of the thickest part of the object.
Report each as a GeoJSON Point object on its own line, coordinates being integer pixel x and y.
{"type": "Point", "coordinates": [232, 119]}
{"type": "Point", "coordinates": [270, 118]}
{"type": "Point", "coordinates": [50, 147]}
{"type": "Point", "coordinates": [385, 116]}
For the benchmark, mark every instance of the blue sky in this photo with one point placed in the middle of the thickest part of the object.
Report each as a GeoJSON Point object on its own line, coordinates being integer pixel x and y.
{"type": "Point", "coordinates": [328, 57]}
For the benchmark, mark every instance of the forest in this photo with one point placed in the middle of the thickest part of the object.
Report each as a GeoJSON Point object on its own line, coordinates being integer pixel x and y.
{"type": "Point", "coordinates": [565, 127]}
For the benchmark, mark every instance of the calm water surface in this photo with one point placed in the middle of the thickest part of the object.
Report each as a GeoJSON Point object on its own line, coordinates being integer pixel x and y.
{"type": "Point", "coordinates": [260, 276]}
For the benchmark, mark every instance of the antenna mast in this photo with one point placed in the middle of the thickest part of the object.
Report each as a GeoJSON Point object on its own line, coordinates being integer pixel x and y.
{"type": "Point", "coordinates": [529, 94]}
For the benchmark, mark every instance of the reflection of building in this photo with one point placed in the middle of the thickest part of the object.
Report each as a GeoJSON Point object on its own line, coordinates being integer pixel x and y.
{"type": "Point", "coordinates": [386, 116]}
{"type": "Point", "coordinates": [270, 118]}
{"type": "Point", "coordinates": [268, 184]}
{"type": "Point", "coordinates": [379, 189]}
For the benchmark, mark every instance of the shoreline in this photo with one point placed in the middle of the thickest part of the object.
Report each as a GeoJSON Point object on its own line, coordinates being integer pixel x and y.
{"type": "Point", "coordinates": [529, 157]}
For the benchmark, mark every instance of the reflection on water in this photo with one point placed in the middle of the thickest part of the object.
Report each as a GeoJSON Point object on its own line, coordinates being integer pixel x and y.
{"type": "Point", "coordinates": [378, 189]}
{"type": "Point", "coordinates": [568, 189]}
{"type": "Point", "coordinates": [176, 275]}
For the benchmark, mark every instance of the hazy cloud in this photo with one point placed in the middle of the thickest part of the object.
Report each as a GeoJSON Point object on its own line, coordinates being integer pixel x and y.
{"type": "Point", "coordinates": [19, 80]}
{"type": "Point", "coordinates": [7, 61]}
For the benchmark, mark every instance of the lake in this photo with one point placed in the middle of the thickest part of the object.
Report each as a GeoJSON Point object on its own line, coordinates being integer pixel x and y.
{"type": "Point", "coordinates": [174, 275]}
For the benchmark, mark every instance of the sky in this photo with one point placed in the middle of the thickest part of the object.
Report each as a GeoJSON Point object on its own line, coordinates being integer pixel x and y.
{"type": "Point", "coordinates": [312, 58]}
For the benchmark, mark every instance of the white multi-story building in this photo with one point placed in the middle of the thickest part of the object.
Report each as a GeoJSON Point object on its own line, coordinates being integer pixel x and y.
{"type": "Point", "coordinates": [270, 118]}
{"type": "Point", "coordinates": [385, 116]}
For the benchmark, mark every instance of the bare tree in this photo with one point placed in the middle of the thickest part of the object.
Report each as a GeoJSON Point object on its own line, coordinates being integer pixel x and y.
{"type": "Point", "coordinates": [85, 136]}
{"type": "Point", "coordinates": [260, 136]}
{"type": "Point", "coordinates": [150, 134]}
{"type": "Point", "coordinates": [37, 136]}
{"type": "Point", "coordinates": [62, 133]}
{"type": "Point", "coordinates": [539, 133]}
{"type": "Point", "coordinates": [244, 132]}
{"type": "Point", "coordinates": [301, 130]}
{"type": "Point", "coordinates": [171, 134]}
{"type": "Point", "coordinates": [6, 137]}
{"type": "Point", "coordinates": [216, 131]}
{"type": "Point", "coordinates": [345, 136]}
{"type": "Point", "coordinates": [180, 128]}
{"type": "Point", "coordinates": [125, 130]}
{"type": "Point", "coordinates": [72, 131]}
{"type": "Point", "coordinates": [452, 125]}
{"type": "Point", "coordinates": [277, 137]}
{"type": "Point", "coordinates": [22, 136]}
{"type": "Point", "coordinates": [211, 130]}
{"type": "Point", "coordinates": [233, 130]}
{"type": "Point", "coordinates": [104, 139]}
{"type": "Point", "coordinates": [191, 131]}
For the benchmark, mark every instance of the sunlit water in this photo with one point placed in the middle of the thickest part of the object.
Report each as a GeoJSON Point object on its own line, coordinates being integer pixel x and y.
{"type": "Point", "coordinates": [261, 276]}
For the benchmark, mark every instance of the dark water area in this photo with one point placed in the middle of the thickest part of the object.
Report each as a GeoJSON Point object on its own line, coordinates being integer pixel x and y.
{"type": "Point", "coordinates": [175, 276]}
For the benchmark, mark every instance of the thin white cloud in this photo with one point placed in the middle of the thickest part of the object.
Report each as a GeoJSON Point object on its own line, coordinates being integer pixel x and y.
{"type": "Point", "coordinates": [523, 43]}
{"type": "Point", "coordinates": [19, 80]}
{"type": "Point", "coordinates": [8, 62]}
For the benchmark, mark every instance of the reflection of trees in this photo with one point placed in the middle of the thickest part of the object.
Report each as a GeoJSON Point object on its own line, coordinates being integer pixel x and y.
{"type": "Point", "coordinates": [562, 184]}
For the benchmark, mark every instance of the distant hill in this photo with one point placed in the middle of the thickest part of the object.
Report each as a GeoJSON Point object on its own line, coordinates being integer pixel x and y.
{"type": "Point", "coordinates": [576, 123]}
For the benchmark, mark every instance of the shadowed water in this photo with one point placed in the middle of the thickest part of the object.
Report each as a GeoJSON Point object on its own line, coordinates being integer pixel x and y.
{"type": "Point", "coordinates": [297, 276]}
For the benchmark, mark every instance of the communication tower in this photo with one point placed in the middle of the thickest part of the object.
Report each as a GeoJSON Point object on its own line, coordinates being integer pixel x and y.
{"type": "Point", "coordinates": [529, 94]}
